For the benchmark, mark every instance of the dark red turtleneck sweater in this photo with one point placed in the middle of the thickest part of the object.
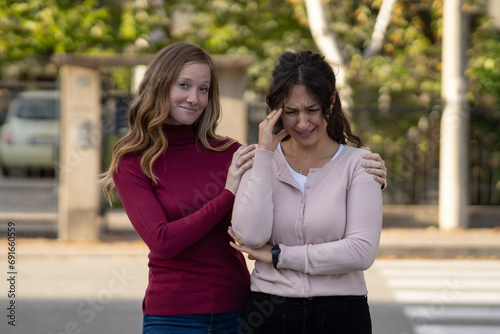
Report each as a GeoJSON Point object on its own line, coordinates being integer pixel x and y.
{"type": "Point", "coordinates": [184, 219]}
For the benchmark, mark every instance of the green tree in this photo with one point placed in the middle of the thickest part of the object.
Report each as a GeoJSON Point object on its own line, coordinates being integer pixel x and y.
{"type": "Point", "coordinates": [33, 30]}
{"type": "Point", "coordinates": [264, 28]}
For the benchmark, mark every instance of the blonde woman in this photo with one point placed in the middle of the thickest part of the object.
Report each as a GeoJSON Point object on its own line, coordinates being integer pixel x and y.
{"type": "Point", "coordinates": [177, 181]}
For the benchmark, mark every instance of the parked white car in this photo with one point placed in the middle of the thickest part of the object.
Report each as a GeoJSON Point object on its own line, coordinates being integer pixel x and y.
{"type": "Point", "coordinates": [29, 138]}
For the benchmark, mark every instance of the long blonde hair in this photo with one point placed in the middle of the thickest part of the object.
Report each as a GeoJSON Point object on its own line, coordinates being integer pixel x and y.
{"type": "Point", "coordinates": [151, 106]}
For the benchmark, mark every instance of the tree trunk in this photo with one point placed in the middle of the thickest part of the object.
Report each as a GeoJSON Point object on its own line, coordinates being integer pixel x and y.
{"type": "Point", "coordinates": [383, 19]}
{"type": "Point", "coordinates": [329, 44]}
{"type": "Point", "coordinates": [453, 185]}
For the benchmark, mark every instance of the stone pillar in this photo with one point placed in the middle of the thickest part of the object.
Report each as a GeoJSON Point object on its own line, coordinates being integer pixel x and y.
{"type": "Point", "coordinates": [79, 156]}
{"type": "Point", "coordinates": [232, 82]}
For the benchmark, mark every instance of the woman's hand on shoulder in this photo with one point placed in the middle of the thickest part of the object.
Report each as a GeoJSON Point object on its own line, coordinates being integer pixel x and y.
{"type": "Point", "coordinates": [242, 160]}
{"type": "Point", "coordinates": [376, 166]}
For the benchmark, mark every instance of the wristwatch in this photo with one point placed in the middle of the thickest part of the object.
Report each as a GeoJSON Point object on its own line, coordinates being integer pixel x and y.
{"type": "Point", "coordinates": [275, 251]}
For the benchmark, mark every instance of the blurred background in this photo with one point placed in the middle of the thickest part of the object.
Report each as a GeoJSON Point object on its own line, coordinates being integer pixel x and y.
{"type": "Point", "coordinates": [389, 58]}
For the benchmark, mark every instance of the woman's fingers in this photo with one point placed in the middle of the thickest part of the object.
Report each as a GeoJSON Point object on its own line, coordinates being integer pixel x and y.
{"type": "Point", "coordinates": [366, 148]}
{"type": "Point", "coordinates": [374, 161]}
{"type": "Point", "coordinates": [376, 165]}
{"type": "Point", "coordinates": [274, 116]}
{"type": "Point", "coordinates": [242, 160]}
{"type": "Point", "coordinates": [270, 120]}
{"type": "Point", "coordinates": [268, 140]}
{"type": "Point", "coordinates": [232, 235]}
{"type": "Point", "coordinates": [237, 244]}
{"type": "Point", "coordinates": [243, 156]}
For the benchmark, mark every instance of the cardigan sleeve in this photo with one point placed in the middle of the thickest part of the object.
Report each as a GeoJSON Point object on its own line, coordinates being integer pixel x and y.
{"type": "Point", "coordinates": [357, 250]}
{"type": "Point", "coordinates": [253, 206]}
{"type": "Point", "coordinates": [165, 238]}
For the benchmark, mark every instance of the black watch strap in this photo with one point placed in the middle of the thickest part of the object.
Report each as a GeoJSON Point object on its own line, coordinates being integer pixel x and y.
{"type": "Point", "coordinates": [275, 253]}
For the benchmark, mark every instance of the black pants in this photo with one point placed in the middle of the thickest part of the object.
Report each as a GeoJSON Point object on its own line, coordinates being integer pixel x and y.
{"type": "Point", "coordinates": [269, 314]}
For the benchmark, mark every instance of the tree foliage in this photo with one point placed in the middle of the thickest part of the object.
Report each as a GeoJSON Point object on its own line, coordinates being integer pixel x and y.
{"type": "Point", "coordinates": [404, 75]}
{"type": "Point", "coordinates": [407, 70]}
{"type": "Point", "coordinates": [264, 28]}
{"type": "Point", "coordinates": [33, 30]}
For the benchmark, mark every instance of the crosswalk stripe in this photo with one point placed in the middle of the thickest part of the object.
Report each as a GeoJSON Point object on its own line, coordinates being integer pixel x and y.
{"type": "Point", "coordinates": [437, 313]}
{"type": "Point", "coordinates": [437, 283]}
{"type": "Point", "coordinates": [447, 297]}
{"type": "Point", "coordinates": [454, 329]}
{"type": "Point", "coordinates": [431, 264]}
{"type": "Point", "coordinates": [438, 319]}
{"type": "Point", "coordinates": [429, 273]}
{"type": "Point", "coordinates": [450, 281]}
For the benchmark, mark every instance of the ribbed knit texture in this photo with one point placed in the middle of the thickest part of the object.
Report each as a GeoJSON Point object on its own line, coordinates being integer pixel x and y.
{"type": "Point", "coordinates": [184, 219]}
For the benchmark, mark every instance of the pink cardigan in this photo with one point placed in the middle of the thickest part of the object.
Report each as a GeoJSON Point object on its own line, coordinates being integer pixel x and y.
{"type": "Point", "coordinates": [328, 235]}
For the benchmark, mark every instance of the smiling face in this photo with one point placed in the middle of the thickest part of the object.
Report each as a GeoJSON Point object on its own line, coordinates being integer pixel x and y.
{"type": "Point", "coordinates": [189, 94]}
{"type": "Point", "coordinates": [302, 117]}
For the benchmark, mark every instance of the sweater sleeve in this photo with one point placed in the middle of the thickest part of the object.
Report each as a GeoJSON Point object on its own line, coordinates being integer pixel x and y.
{"type": "Point", "coordinates": [357, 250]}
{"type": "Point", "coordinates": [253, 206]}
{"type": "Point", "coordinates": [165, 238]}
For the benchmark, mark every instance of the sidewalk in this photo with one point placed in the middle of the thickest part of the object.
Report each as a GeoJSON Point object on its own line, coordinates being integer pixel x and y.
{"type": "Point", "coordinates": [395, 243]}
{"type": "Point", "coordinates": [431, 242]}
{"type": "Point", "coordinates": [98, 286]}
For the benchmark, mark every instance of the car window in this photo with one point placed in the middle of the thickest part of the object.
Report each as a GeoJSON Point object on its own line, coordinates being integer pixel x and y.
{"type": "Point", "coordinates": [38, 109]}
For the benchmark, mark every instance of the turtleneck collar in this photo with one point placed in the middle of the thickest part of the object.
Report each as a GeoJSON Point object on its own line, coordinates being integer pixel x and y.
{"type": "Point", "coordinates": [179, 135]}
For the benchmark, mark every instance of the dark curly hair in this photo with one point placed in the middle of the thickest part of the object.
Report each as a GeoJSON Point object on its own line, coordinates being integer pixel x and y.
{"type": "Point", "coordinates": [311, 70]}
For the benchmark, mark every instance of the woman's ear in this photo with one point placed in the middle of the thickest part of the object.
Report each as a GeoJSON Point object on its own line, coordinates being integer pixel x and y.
{"type": "Point", "coordinates": [334, 98]}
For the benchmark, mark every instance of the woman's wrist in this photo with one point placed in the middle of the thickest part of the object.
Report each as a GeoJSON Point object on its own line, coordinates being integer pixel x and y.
{"type": "Point", "coordinates": [275, 251]}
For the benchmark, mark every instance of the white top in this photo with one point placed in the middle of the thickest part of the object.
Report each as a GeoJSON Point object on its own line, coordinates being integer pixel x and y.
{"type": "Point", "coordinates": [300, 178]}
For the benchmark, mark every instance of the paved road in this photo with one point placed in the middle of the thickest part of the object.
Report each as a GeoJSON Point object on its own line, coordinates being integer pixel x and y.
{"type": "Point", "coordinates": [74, 291]}
{"type": "Point", "coordinates": [31, 202]}
{"type": "Point", "coordinates": [21, 194]}
{"type": "Point", "coordinates": [94, 290]}
{"type": "Point", "coordinates": [435, 296]}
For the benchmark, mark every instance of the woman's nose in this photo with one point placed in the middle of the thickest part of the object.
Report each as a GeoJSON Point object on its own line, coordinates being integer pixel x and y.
{"type": "Point", "coordinates": [192, 97]}
{"type": "Point", "coordinates": [303, 121]}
